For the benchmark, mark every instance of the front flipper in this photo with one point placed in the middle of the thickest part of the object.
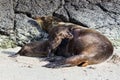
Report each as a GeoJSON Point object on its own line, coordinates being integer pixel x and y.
{"type": "Point", "coordinates": [13, 55]}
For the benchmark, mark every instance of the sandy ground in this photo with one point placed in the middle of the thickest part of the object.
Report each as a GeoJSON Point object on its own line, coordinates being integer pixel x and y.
{"type": "Point", "coordinates": [27, 68]}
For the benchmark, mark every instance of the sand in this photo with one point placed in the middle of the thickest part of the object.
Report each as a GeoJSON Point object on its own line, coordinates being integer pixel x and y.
{"type": "Point", "coordinates": [31, 68]}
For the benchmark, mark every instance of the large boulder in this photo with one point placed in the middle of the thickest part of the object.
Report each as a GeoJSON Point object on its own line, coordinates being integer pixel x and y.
{"type": "Point", "coordinates": [36, 7]}
{"type": "Point", "coordinates": [6, 23]}
{"type": "Point", "coordinates": [6, 16]}
{"type": "Point", "coordinates": [17, 26]}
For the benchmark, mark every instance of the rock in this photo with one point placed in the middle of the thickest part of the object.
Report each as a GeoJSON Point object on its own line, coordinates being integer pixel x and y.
{"type": "Point", "coordinates": [90, 18]}
{"type": "Point", "coordinates": [6, 23]}
{"type": "Point", "coordinates": [37, 7]}
{"type": "Point", "coordinates": [27, 30]}
{"type": "Point", "coordinates": [6, 17]}
{"type": "Point", "coordinates": [113, 7]}
{"type": "Point", "coordinates": [62, 14]}
{"type": "Point", "coordinates": [6, 42]}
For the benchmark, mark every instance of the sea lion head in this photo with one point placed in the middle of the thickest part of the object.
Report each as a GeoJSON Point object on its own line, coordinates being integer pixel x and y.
{"type": "Point", "coordinates": [47, 22]}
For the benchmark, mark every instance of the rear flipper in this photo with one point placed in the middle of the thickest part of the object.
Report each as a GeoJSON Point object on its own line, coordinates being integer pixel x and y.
{"type": "Point", "coordinates": [56, 64]}
{"type": "Point", "coordinates": [77, 60]}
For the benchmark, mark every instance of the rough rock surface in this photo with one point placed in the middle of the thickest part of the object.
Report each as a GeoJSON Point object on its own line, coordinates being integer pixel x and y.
{"type": "Point", "coordinates": [16, 17]}
{"type": "Point", "coordinates": [27, 30]}
{"type": "Point", "coordinates": [6, 16]}
{"type": "Point", "coordinates": [36, 7]}
{"type": "Point", "coordinates": [6, 23]}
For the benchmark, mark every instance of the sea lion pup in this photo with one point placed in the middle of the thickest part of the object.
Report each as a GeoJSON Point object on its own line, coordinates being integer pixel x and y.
{"type": "Point", "coordinates": [34, 49]}
{"type": "Point", "coordinates": [42, 48]}
{"type": "Point", "coordinates": [85, 48]}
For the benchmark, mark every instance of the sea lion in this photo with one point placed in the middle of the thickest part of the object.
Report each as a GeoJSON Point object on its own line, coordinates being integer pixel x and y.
{"type": "Point", "coordinates": [85, 48]}
{"type": "Point", "coordinates": [34, 49]}
{"type": "Point", "coordinates": [43, 48]}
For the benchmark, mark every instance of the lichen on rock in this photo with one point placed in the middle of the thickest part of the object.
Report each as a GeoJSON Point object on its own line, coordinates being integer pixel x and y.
{"type": "Point", "coordinates": [6, 42]}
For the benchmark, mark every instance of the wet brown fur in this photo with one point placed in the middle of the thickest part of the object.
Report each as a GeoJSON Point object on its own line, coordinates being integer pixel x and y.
{"type": "Point", "coordinates": [35, 49]}
{"type": "Point", "coordinates": [86, 47]}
